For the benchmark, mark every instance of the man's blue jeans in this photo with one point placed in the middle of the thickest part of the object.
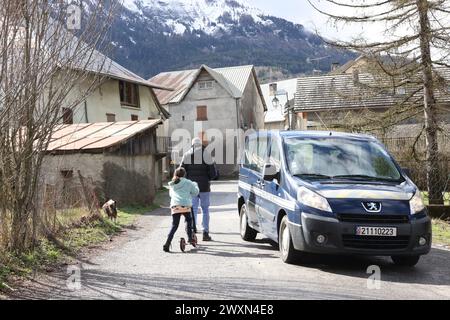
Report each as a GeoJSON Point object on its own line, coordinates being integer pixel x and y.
{"type": "Point", "coordinates": [203, 200]}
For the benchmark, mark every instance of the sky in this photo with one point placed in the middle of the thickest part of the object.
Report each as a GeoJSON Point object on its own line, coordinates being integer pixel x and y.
{"type": "Point", "coordinates": [302, 12]}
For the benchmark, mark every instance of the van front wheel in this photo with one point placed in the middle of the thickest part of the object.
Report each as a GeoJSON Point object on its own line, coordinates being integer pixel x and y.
{"type": "Point", "coordinates": [287, 250]}
{"type": "Point", "coordinates": [247, 232]}
{"type": "Point", "coordinates": [405, 261]}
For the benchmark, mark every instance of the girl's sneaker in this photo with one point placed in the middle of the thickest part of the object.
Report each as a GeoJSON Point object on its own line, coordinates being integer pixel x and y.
{"type": "Point", "coordinates": [193, 243]}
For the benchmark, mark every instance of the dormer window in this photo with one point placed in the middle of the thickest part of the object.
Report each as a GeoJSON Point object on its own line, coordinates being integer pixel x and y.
{"type": "Point", "coordinates": [400, 91]}
{"type": "Point", "coordinates": [205, 85]}
{"type": "Point", "coordinates": [129, 94]}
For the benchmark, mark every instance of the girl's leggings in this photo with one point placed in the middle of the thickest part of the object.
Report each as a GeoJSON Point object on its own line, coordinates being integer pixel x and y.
{"type": "Point", "coordinates": [176, 222]}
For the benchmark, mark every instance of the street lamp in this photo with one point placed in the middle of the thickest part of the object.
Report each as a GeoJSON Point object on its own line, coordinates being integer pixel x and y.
{"type": "Point", "coordinates": [276, 103]}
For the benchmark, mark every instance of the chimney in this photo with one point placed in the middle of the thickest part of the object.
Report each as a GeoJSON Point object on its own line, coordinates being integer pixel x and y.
{"type": "Point", "coordinates": [273, 88]}
{"type": "Point", "coordinates": [355, 76]}
{"type": "Point", "coordinates": [334, 66]}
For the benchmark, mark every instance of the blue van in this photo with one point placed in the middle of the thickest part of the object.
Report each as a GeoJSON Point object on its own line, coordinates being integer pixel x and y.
{"type": "Point", "coordinates": [330, 193]}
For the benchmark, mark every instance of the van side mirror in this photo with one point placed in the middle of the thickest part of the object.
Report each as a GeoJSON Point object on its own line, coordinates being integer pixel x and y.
{"type": "Point", "coordinates": [407, 172]}
{"type": "Point", "coordinates": [271, 172]}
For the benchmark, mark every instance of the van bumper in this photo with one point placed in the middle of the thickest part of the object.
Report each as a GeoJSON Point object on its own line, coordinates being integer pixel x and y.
{"type": "Point", "coordinates": [340, 237]}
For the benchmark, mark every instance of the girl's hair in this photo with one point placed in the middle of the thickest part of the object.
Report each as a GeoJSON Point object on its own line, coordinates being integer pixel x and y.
{"type": "Point", "coordinates": [179, 173]}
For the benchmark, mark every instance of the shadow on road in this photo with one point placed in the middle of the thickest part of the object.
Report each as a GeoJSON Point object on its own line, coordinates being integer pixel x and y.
{"type": "Point", "coordinates": [433, 269]}
{"type": "Point", "coordinates": [98, 284]}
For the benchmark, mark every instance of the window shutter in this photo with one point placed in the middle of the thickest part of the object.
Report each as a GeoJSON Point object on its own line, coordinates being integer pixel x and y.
{"type": "Point", "coordinates": [202, 113]}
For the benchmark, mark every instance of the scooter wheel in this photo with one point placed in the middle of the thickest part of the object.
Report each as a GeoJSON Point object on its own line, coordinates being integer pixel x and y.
{"type": "Point", "coordinates": [183, 244]}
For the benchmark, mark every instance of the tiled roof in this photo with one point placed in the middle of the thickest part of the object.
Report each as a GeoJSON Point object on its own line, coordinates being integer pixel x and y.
{"type": "Point", "coordinates": [343, 91]}
{"type": "Point", "coordinates": [94, 136]}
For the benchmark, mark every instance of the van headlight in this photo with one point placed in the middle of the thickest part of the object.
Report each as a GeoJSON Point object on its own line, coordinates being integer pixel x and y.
{"type": "Point", "coordinates": [416, 203]}
{"type": "Point", "coordinates": [311, 199]}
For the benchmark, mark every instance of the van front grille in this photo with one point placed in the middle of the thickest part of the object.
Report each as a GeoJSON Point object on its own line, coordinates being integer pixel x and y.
{"type": "Point", "coordinates": [375, 243]}
{"type": "Point", "coordinates": [373, 218]}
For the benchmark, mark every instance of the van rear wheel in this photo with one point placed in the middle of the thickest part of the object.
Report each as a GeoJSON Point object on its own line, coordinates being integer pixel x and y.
{"type": "Point", "coordinates": [247, 232]}
{"type": "Point", "coordinates": [287, 250]}
{"type": "Point", "coordinates": [405, 261]}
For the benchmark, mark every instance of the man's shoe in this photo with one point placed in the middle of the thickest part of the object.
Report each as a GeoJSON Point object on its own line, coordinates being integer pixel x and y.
{"type": "Point", "coordinates": [206, 237]}
{"type": "Point", "coordinates": [166, 247]}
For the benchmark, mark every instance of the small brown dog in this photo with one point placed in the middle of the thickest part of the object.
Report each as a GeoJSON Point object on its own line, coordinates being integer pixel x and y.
{"type": "Point", "coordinates": [110, 208]}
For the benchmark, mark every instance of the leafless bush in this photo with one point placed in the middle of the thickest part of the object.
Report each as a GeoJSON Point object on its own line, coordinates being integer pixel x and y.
{"type": "Point", "coordinates": [43, 68]}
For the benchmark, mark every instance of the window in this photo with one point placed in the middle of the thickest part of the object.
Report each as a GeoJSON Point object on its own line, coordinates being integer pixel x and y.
{"type": "Point", "coordinates": [262, 153]}
{"type": "Point", "coordinates": [129, 94]}
{"type": "Point", "coordinates": [334, 157]}
{"type": "Point", "coordinates": [67, 174]}
{"type": "Point", "coordinates": [134, 117]}
{"type": "Point", "coordinates": [205, 85]}
{"type": "Point", "coordinates": [251, 150]}
{"type": "Point", "coordinates": [400, 91]}
{"type": "Point", "coordinates": [275, 155]}
{"type": "Point", "coordinates": [255, 153]}
{"type": "Point", "coordinates": [202, 113]}
{"type": "Point", "coordinates": [67, 116]}
{"type": "Point", "coordinates": [110, 117]}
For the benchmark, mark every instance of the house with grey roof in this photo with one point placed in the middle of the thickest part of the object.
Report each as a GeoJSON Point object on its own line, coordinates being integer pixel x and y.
{"type": "Point", "coordinates": [205, 100]}
{"type": "Point", "coordinates": [328, 100]}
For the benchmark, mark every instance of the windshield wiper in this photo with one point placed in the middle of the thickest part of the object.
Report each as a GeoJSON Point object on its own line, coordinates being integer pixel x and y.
{"type": "Point", "coordinates": [364, 177]}
{"type": "Point", "coordinates": [312, 176]}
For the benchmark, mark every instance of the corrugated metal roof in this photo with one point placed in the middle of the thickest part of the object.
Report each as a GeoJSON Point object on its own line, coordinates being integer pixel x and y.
{"type": "Point", "coordinates": [91, 136]}
{"type": "Point", "coordinates": [233, 79]}
{"type": "Point", "coordinates": [79, 55]}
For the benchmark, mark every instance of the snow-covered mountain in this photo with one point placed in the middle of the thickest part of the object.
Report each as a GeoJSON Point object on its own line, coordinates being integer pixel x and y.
{"type": "Point", "coordinates": [151, 36]}
{"type": "Point", "coordinates": [209, 16]}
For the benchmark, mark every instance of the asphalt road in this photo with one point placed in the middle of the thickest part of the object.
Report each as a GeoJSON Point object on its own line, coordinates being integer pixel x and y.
{"type": "Point", "coordinates": [134, 266]}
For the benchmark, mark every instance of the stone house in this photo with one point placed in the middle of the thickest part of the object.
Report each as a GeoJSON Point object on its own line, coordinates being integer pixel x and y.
{"type": "Point", "coordinates": [116, 160]}
{"type": "Point", "coordinates": [205, 99]}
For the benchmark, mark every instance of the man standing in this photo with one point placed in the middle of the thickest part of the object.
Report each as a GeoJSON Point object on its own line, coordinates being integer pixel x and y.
{"type": "Point", "coordinates": [201, 169]}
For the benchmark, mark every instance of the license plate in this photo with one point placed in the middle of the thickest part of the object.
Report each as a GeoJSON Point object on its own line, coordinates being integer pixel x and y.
{"type": "Point", "coordinates": [376, 231]}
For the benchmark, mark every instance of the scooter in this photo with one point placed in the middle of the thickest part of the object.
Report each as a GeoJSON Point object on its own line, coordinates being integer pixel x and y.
{"type": "Point", "coordinates": [184, 243]}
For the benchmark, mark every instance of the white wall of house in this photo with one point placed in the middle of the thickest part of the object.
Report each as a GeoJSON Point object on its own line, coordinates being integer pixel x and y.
{"type": "Point", "coordinates": [221, 109]}
{"type": "Point", "coordinates": [106, 100]}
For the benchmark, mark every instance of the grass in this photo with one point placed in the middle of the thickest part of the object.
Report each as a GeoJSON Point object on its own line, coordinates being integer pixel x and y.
{"type": "Point", "coordinates": [71, 240]}
{"type": "Point", "coordinates": [441, 232]}
{"type": "Point", "coordinates": [446, 198]}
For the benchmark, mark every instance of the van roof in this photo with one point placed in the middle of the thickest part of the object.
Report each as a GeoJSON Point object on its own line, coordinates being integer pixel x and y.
{"type": "Point", "coordinates": [322, 134]}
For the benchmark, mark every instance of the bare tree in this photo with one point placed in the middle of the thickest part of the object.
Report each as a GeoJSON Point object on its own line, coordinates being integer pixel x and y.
{"type": "Point", "coordinates": [416, 43]}
{"type": "Point", "coordinates": [48, 61]}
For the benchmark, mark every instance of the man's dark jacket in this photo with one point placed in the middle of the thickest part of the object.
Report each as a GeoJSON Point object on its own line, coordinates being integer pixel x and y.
{"type": "Point", "coordinates": [199, 168]}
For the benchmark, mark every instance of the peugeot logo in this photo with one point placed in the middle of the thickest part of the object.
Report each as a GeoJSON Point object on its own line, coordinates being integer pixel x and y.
{"type": "Point", "coordinates": [372, 207]}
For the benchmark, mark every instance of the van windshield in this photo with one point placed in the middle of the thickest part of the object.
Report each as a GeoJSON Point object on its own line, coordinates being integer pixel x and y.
{"type": "Point", "coordinates": [339, 158]}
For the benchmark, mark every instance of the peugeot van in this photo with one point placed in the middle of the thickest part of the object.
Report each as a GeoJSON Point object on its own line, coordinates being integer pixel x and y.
{"type": "Point", "coordinates": [330, 193]}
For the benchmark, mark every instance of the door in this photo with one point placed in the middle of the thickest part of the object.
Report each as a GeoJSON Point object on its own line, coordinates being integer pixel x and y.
{"type": "Point", "coordinates": [248, 179]}
{"type": "Point", "coordinates": [258, 185]}
{"type": "Point", "coordinates": [271, 189]}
